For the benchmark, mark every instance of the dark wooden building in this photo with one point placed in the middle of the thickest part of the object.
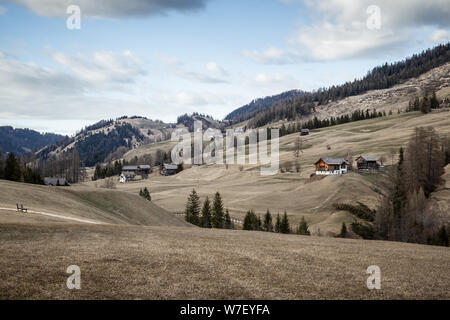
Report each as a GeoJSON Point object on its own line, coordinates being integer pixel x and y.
{"type": "Point", "coordinates": [367, 163]}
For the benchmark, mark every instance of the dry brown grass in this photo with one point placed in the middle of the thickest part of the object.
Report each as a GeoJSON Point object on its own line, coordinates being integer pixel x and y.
{"type": "Point", "coordinates": [245, 190]}
{"type": "Point", "coordinates": [190, 263]}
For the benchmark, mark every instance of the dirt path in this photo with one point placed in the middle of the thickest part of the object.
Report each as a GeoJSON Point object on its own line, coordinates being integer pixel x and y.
{"type": "Point", "coordinates": [57, 216]}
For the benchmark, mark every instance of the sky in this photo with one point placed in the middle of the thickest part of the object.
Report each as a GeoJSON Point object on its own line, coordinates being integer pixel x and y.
{"type": "Point", "coordinates": [164, 58]}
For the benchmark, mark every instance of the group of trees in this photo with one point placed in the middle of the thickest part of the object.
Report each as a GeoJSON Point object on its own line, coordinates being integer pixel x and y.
{"type": "Point", "coordinates": [14, 169]}
{"type": "Point", "coordinates": [282, 225]}
{"type": "Point", "coordinates": [144, 193]}
{"type": "Point", "coordinates": [381, 77]}
{"type": "Point", "coordinates": [109, 170]}
{"type": "Point", "coordinates": [209, 216]}
{"type": "Point", "coordinates": [403, 214]}
{"type": "Point", "coordinates": [425, 104]}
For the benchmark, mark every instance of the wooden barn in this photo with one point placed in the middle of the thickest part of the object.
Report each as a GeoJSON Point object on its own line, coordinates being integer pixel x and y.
{"type": "Point", "coordinates": [326, 166]}
{"type": "Point", "coordinates": [169, 169]}
{"type": "Point", "coordinates": [367, 163]}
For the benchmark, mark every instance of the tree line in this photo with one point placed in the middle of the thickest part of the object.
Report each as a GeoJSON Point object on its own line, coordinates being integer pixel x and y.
{"type": "Point", "coordinates": [14, 169]}
{"type": "Point", "coordinates": [380, 77]}
{"type": "Point", "coordinates": [282, 225]}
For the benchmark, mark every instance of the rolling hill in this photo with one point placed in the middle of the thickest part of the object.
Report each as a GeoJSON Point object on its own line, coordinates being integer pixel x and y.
{"type": "Point", "coordinates": [21, 141]}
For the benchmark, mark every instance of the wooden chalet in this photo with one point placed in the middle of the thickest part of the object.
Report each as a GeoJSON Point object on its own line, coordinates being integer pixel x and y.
{"type": "Point", "coordinates": [367, 163]}
{"type": "Point", "coordinates": [327, 166]}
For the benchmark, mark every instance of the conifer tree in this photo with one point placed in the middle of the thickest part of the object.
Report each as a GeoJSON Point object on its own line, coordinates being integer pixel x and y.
{"type": "Point", "coordinates": [267, 224]}
{"type": "Point", "coordinates": [1, 164]}
{"type": "Point", "coordinates": [217, 211]}
{"type": "Point", "coordinates": [302, 228]}
{"type": "Point", "coordinates": [12, 168]}
{"type": "Point", "coordinates": [442, 237]}
{"type": "Point", "coordinates": [193, 208]}
{"type": "Point", "coordinates": [343, 232]}
{"type": "Point", "coordinates": [285, 227]}
{"type": "Point", "coordinates": [228, 222]}
{"type": "Point", "coordinates": [250, 221]}
{"type": "Point", "coordinates": [278, 223]}
{"type": "Point", "coordinates": [205, 219]}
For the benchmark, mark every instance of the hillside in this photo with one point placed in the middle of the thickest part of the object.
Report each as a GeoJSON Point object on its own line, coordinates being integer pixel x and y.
{"type": "Point", "coordinates": [249, 110]}
{"type": "Point", "coordinates": [126, 262]}
{"type": "Point", "coordinates": [110, 139]}
{"type": "Point", "coordinates": [379, 78]}
{"type": "Point", "coordinates": [93, 204]}
{"type": "Point", "coordinates": [247, 189]}
{"type": "Point", "coordinates": [21, 141]}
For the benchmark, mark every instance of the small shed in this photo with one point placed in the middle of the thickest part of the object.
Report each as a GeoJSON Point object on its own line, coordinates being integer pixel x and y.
{"type": "Point", "coordinates": [367, 163]}
{"type": "Point", "coordinates": [169, 169]}
{"type": "Point", "coordinates": [304, 132]}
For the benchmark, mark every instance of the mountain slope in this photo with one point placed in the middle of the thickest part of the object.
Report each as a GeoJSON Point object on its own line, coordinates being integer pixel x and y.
{"type": "Point", "coordinates": [21, 141]}
{"type": "Point", "coordinates": [381, 77]}
{"type": "Point", "coordinates": [110, 139]}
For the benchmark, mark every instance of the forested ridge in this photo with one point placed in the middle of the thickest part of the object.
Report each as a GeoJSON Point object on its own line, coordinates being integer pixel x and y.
{"type": "Point", "coordinates": [289, 106]}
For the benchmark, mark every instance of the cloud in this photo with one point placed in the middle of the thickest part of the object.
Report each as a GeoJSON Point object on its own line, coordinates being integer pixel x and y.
{"type": "Point", "coordinates": [339, 29]}
{"type": "Point", "coordinates": [273, 56]}
{"type": "Point", "coordinates": [177, 67]}
{"type": "Point", "coordinates": [103, 67]}
{"type": "Point", "coordinates": [3, 11]}
{"type": "Point", "coordinates": [111, 8]}
{"type": "Point", "coordinates": [214, 67]}
{"type": "Point", "coordinates": [440, 36]}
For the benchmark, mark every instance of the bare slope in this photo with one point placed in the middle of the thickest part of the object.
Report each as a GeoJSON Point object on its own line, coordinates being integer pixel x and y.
{"type": "Point", "coordinates": [192, 263]}
{"type": "Point", "coordinates": [246, 190]}
{"type": "Point", "coordinates": [96, 204]}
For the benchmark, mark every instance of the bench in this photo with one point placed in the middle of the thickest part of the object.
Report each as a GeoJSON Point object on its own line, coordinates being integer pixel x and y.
{"type": "Point", "coordinates": [21, 208]}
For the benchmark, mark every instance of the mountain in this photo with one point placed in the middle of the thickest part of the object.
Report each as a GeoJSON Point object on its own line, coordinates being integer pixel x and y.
{"type": "Point", "coordinates": [208, 121]}
{"type": "Point", "coordinates": [21, 141]}
{"type": "Point", "coordinates": [110, 139]}
{"type": "Point", "coordinates": [381, 77]}
{"type": "Point", "coordinates": [252, 108]}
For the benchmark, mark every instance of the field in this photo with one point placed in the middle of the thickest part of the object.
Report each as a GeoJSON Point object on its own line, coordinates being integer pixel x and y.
{"type": "Point", "coordinates": [293, 192]}
{"type": "Point", "coordinates": [130, 248]}
{"type": "Point", "coordinates": [131, 262]}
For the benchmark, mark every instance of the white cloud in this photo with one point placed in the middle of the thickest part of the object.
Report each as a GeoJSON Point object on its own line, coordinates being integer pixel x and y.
{"type": "Point", "coordinates": [214, 67]}
{"type": "Point", "coordinates": [339, 29]}
{"type": "Point", "coordinates": [440, 36]}
{"type": "Point", "coordinates": [103, 68]}
{"type": "Point", "coordinates": [3, 11]}
{"type": "Point", "coordinates": [110, 8]}
{"type": "Point", "coordinates": [273, 56]}
{"type": "Point", "coordinates": [177, 67]}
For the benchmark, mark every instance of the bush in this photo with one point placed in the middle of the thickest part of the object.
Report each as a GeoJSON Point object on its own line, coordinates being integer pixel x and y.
{"type": "Point", "coordinates": [365, 231]}
{"type": "Point", "coordinates": [360, 210]}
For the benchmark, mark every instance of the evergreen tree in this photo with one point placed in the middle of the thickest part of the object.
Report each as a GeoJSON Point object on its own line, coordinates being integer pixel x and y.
{"type": "Point", "coordinates": [302, 228]}
{"type": "Point", "coordinates": [434, 102]}
{"type": "Point", "coordinates": [425, 106]}
{"type": "Point", "coordinates": [193, 208]}
{"type": "Point", "coordinates": [1, 164]}
{"type": "Point", "coordinates": [278, 223]}
{"type": "Point", "coordinates": [267, 224]}
{"type": "Point", "coordinates": [442, 239]}
{"type": "Point", "coordinates": [205, 219]}
{"type": "Point", "coordinates": [250, 221]}
{"type": "Point", "coordinates": [217, 211]}
{"type": "Point", "coordinates": [284, 226]}
{"type": "Point", "coordinates": [12, 168]}
{"type": "Point", "coordinates": [228, 222]}
{"type": "Point", "coordinates": [145, 194]}
{"type": "Point", "coordinates": [343, 232]}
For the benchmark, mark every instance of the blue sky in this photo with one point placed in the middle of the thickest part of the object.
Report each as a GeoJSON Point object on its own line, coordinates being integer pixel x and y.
{"type": "Point", "coordinates": [161, 58]}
